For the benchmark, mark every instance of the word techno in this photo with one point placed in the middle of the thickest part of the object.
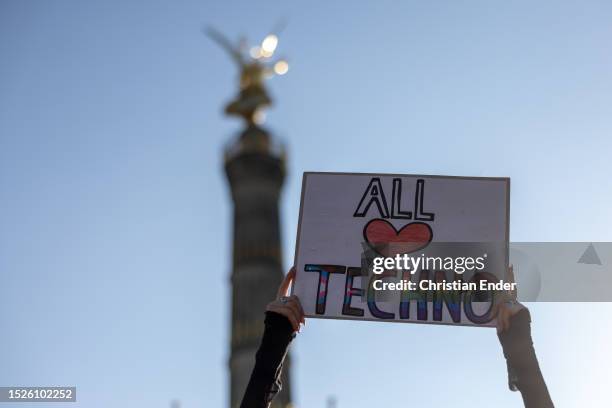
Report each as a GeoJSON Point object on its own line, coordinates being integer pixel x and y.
{"type": "Point", "coordinates": [452, 300]}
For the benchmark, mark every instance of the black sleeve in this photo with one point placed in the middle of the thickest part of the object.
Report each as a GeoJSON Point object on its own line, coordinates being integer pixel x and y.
{"type": "Point", "coordinates": [523, 369]}
{"type": "Point", "coordinates": [265, 380]}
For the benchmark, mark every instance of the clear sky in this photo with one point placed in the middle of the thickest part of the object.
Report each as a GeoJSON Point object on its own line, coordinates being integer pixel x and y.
{"type": "Point", "coordinates": [115, 239]}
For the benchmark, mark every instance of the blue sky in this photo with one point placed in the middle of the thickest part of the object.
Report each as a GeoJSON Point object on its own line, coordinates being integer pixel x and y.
{"type": "Point", "coordinates": [115, 262]}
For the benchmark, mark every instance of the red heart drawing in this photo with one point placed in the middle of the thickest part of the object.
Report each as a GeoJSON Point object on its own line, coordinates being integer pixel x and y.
{"type": "Point", "coordinates": [411, 237]}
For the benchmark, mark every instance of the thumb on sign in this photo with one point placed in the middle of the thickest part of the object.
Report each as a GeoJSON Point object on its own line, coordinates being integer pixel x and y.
{"type": "Point", "coordinates": [284, 286]}
{"type": "Point", "coordinates": [288, 306]}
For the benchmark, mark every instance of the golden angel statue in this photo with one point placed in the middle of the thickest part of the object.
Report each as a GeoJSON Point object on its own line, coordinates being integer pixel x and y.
{"type": "Point", "coordinates": [255, 67]}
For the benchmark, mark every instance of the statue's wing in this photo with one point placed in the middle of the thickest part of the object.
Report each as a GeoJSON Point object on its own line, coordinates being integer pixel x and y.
{"type": "Point", "coordinates": [220, 39]}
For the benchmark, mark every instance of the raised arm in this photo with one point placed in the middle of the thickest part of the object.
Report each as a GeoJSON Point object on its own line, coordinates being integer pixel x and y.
{"type": "Point", "coordinates": [283, 318]}
{"type": "Point", "coordinates": [514, 333]}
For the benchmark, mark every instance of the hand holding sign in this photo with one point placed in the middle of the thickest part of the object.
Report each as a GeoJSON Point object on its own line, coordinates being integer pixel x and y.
{"type": "Point", "coordinates": [288, 306]}
{"type": "Point", "coordinates": [508, 307]}
{"type": "Point", "coordinates": [333, 238]}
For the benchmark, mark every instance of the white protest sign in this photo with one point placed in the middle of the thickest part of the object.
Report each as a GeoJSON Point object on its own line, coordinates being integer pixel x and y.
{"type": "Point", "coordinates": [344, 217]}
